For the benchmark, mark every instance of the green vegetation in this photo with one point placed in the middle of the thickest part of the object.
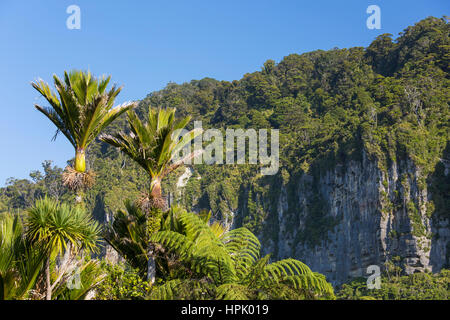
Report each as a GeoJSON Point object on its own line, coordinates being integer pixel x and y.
{"type": "Point", "coordinates": [60, 229]}
{"type": "Point", "coordinates": [387, 103]}
{"type": "Point", "coordinates": [219, 264]}
{"type": "Point", "coordinates": [197, 259]}
{"type": "Point", "coordinates": [40, 256]}
{"type": "Point", "coordinates": [122, 283]}
{"type": "Point", "coordinates": [19, 263]}
{"type": "Point", "coordinates": [417, 286]}
{"type": "Point", "coordinates": [84, 108]}
{"type": "Point", "coordinates": [153, 146]}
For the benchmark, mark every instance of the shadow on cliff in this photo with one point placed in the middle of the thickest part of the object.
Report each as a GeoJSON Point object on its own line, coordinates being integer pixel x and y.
{"type": "Point", "coordinates": [439, 186]}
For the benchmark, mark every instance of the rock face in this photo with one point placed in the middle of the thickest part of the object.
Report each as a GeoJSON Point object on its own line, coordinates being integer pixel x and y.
{"type": "Point", "coordinates": [377, 215]}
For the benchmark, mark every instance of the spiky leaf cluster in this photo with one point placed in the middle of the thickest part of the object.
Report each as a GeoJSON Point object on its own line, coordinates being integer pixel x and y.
{"type": "Point", "coordinates": [155, 143]}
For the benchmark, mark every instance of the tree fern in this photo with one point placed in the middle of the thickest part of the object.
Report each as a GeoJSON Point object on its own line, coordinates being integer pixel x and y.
{"type": "Point", "coordinates": [229, 263]}
{"type": "Point", "coordinates": [243, 247]}
{"type": "Point", "coordinates": [233, 291]}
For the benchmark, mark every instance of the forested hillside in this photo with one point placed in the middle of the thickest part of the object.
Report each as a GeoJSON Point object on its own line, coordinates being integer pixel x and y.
{"type": "Point", "coordinates": [364, 156]}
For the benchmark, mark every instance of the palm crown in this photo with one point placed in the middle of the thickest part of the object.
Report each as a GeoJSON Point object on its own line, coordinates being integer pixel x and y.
{"type": "Point", "coordinates": [60, 228]}
{"type": "Point", "coordinates": [56, 225]}
{"type": "Point", "coordinates": [154, 144]}
{"type": "Point", "coordinates": [82, 108]}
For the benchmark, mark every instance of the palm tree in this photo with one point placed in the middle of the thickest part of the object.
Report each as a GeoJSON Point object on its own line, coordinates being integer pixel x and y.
{"type": "Point", "coordinates": [80, 111]}
{"type": "Point", "coordinates": [60, 229]}
{"type": "Point", "coordinates": [154, 145]}
{"type": "Point", "coordinates": [127, 234]}
{"type": "Point", "coordinates": [20, 263]}
{"type": "Point", "coordinates": [221, 264]}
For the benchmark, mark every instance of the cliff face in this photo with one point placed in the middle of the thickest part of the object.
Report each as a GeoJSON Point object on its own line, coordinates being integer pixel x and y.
{"type": "Point", "coordinates": [377, 216]}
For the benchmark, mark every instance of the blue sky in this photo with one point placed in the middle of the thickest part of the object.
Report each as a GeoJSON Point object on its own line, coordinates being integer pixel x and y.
{"type": "Point", "coordinates": [146, 44]}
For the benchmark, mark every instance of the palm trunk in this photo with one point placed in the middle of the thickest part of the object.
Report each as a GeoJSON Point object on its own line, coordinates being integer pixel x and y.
{"type": "Point", "coordinates": [156, 197]}
{"type": "Point", "coordinates": [80, 166]}
{"type": "Point", "coordinates": [48, 280]}
{"type": "Point", "coordinates": [155, 188]}
{"type": "Point", "coordinates": [80, 160]}
{"type": "Point", "coordinates": [79, 198]}
{"type": "Point", "coordinates": [151, 266]}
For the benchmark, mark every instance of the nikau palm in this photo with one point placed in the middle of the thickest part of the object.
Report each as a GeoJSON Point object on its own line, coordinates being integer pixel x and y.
{"type": "Point", "coordinates": [154, 145]}
{"type": "Point", "coordinates": [80, 110]}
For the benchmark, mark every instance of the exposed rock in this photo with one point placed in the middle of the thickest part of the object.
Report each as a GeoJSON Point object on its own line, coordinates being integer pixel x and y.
{"type": "Point", "coordinates": [373, 222]}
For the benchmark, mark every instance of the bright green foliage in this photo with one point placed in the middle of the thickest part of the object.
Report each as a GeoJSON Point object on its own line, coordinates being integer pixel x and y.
{"type": "Point", "coordinates": [127, 234]}
{"type": "Point", "coordinates": [56, 225]}
{"type": "Point", "coordinates": [61, 229]}
{"type": "Point", "coordinates": [121, 283]}
{"type": "Point", "coordinates": [154, 144]}
{"type": "Point", "coordinates": [20, 263]}
{"type": "Point", "coordinates": [82, 108]}
{"type": "Point", "coordinates": [88, 276]}
{"type": "Point", "coordinates": [417, 286]}
{"type": "Point", "coordinates": [229, 266]}
{"type": "Point", "coordinates": [196, 260]}
{"type": "Point", "coordinates": [22, 260]}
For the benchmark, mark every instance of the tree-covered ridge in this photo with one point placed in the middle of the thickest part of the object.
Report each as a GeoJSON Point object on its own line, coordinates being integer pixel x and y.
{"type": "Point", "coordinates": [329, 102]}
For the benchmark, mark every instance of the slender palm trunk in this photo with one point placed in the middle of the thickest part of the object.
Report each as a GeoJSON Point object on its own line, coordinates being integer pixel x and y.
{"type": "Point", "coordinates": [151, 266]}
{"type": "Point", "coordinates": [156, 197]}
{"type": "Point", "coordinates": [80, 160]}
{"type": "Point", "coordinates": [79, 198]}
{"type": "Point", "coordinates": [80, 166]}
{"type": "Point", "coordinates": [155, 188]}
{"type": "Point", "coordinates": [48, 280]}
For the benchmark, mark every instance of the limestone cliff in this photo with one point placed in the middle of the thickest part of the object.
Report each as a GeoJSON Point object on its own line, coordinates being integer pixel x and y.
{"type": "Point", "coordinates": [376, 215]}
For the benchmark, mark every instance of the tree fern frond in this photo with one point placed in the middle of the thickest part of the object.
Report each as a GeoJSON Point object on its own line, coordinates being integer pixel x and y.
{"type": "Point", "coordinates": [243, 247]}
{"type": "Point", "coordinates": [232, 291]}
{"type": "Point", "coordinates": [174, 242]}
{"type": "Point", "coordinates": [180, 289]}
{"type": "Point", "coordinates": [286, 267]}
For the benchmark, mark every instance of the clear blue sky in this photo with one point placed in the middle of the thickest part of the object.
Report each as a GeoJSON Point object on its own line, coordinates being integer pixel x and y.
{"type": "Point", "coordinates": [146, 44]}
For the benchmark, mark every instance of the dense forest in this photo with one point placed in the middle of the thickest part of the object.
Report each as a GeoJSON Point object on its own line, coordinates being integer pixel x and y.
{"type": "Point", "coordinates": [386, 104]}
